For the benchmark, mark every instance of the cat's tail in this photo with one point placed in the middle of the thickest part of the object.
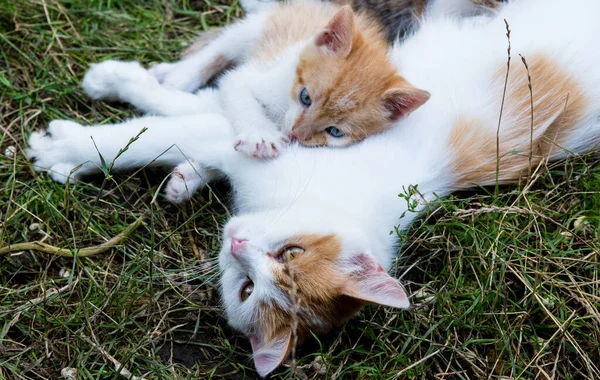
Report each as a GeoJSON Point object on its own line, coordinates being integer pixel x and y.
{"type": "Point", "coordinates": [68, 150]}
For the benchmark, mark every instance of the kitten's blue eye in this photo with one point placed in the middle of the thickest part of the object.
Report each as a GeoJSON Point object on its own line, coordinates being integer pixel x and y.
{"type": "Point", "coordinates": [334, 132]}
{"type": "Point", "coordinates": [305, 98]}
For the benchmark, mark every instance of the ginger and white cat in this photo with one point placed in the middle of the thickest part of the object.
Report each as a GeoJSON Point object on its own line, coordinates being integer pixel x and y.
{"type": "Point", "coordinates": [330, 211]}
{"type": "Point", "coordinates": [304, 70]}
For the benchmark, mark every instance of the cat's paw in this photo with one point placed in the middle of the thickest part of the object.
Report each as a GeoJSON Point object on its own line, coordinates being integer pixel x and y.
{"type": "Point", "coordinates": [181, 76]}
{"type": "Point", "coordinates": [185, 180]}
{"type": "Point", "coordinates": [261, 144]}
{"type": "Point", "coordinates": [106, 80]}
{"type": "Point", "coordinates": [49, 150]}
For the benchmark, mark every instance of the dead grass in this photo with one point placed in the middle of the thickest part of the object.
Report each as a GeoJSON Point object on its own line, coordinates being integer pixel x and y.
{"type": "Point", "coordinates": [504, 286]}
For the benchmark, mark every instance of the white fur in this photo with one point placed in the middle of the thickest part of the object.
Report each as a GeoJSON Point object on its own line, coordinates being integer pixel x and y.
{"type": "Point", "coordinates": [353, 192]}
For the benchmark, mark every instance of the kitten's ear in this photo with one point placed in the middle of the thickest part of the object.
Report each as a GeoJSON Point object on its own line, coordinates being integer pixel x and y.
{"type": "Point", "coordinates": [371, 283]}
{"type": "Point", "coordinates": [400, 102]}
{"type": "Point", "coordinates": [268, 355]}
{"type": "Point", "coordinates": [338, 34]}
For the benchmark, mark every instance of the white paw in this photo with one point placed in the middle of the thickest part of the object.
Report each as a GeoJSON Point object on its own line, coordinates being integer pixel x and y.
{"type": "Point", "coordinates": [185, 180]}
{"type": "Point", "coordinates": [161, 70]}
{"type": "Point", "coordinates": [51, 150]}
{"type": "Point", "coordinates": [107, 80]}
{"type": "Point", "coordinates": [183, 75]}
{"type": "Point", "coordinates": [261, 144]}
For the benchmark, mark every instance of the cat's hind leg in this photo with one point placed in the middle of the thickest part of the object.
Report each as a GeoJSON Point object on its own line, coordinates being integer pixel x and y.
{"type": "Point", "coordinates": [130, 82]}
{"type": "Point", "coordinates": [232, 46]}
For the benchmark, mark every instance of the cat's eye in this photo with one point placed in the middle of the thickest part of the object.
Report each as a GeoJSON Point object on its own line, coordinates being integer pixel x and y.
{"type": "Point", "coordinates": [291, 252]}
{"type": "Point", "coordinates": [247, 290]}
{"type": "Point", "coordinates": [334, 132]}
{"type": "Point", "coordinates": [305, 98]}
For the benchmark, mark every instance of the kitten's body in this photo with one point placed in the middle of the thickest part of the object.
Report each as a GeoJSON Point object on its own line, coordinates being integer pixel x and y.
{"type": "Point", "coordinates": [307, 70]}
{"type": "Point", "coordinates": [340, 205]}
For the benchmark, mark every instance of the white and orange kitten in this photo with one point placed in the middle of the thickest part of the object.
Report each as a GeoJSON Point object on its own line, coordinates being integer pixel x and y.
{"type": "Point", "coordinates": [304, 70]}
{"type": "Point", "coordinates": [330, 211]}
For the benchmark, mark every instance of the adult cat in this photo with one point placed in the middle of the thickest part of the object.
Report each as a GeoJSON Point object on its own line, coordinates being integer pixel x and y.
{"type": "Point", "coordinates": [329, 212]}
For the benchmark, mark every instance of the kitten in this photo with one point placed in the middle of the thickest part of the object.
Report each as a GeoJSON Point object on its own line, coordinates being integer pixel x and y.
{"type": "Point", "coordinates": [306, 70]}
{"type": "Point", "coordinates": [329, 211]}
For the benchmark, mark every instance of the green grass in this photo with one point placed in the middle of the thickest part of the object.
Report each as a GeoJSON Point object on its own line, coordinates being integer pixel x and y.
{"type": "Point", "coordinates": [506, 286]}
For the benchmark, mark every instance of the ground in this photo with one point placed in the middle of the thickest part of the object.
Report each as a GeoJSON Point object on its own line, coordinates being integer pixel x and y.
{"type": "Point", "coordinates": [505, 284]}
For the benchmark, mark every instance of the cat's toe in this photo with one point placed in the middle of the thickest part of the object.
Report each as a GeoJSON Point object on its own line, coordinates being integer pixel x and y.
{"type": "Point", "coordinates": [61, 128]}
{"type": "Point", "coordinates": [63, 173]}
{"type": "Point", "coordinates": [161, 70]}
{"type": "Point", "coordinates": [184, 182]}
{"type": "Point", "coordinates": [182, 76]}
{"type": "Point", "coordinates": [49, 150]}
{"type": "Point", "coordinates": [265, 146]}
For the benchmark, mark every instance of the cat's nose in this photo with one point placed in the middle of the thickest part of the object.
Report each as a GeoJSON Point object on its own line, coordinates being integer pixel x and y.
{"type": "Point", "coordinates": [298, 134]}
{"type": "Point", "coordinates": [237, 245]}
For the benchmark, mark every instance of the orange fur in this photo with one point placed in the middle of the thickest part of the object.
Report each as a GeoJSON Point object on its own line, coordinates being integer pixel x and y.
{"type": "Point", "coordinates": [319, 288]}
{"type": "Point", "coordinates": [347, 91]}
{"type": "Point", "coordinates": [559, 104]}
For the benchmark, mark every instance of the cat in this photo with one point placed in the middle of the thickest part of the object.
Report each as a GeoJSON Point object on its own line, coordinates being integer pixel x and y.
{"type": "Point", "coordinates": [318, 220]}
{"type": "Point", "coordinates": [305, 70]}
{"type": "Point", "coordinates": [397, 17]}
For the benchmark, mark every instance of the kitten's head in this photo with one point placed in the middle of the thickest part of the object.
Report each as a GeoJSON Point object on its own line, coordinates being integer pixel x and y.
{"type": "Point", "coordinates": [269, 260]}
{"type": "Point", "coordinates": [346, 88]}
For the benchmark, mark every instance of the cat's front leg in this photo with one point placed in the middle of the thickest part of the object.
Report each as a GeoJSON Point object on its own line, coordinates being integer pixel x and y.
{"type": "Point", "coordinates": [257, 135]}
{"type": "Point", "coordinates": [68, 150]}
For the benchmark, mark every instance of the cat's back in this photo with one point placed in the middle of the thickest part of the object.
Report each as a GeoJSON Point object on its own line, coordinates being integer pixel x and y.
{"type": "Point", "coordinates": [292, 22]}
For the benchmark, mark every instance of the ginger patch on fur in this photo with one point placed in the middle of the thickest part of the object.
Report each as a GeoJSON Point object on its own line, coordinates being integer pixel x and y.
{"type": "Point", "coordinates": [558, 106]}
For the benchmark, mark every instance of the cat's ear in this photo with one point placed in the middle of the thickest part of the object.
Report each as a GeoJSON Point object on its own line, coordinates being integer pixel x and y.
{"type": "Point", "coordinates": [338, 34]}
{"type": "Point", "coordinates": [269, 354]}
{"type": "Point", "coordinates": [372, 284]}
{"type": "Point", "coordinates": [401, 101]}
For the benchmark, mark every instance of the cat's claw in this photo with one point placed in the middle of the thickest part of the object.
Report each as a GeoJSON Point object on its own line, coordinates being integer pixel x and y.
{"type": "Point", "coordinates": [261, 145]}
{"type": "Point", "coordinates": [185, 180]}
{"type": "Point", "coordinates": [108, 79]}
{"type": "Point", "coordinates": [49, 150]}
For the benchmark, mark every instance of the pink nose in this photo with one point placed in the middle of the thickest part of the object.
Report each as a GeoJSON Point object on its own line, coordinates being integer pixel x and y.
{"type": "Point", "coordinates": [237, 245]}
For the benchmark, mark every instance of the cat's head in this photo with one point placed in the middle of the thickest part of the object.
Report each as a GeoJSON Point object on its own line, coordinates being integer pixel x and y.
{"type": "Point", "coordinates": [346, 88]}
{"type": "Point", "coordinates": [276, 265]}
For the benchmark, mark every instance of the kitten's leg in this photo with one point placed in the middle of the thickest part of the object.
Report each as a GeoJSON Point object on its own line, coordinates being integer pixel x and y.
{"type": "Point", "coordinates": [233, 45]}
{"type": "Point", "coordinates": [130, 82]}
{"type": "Point", "coordinates": [247, 95]}
{"type": "Point", "coordinates": [168, 141]}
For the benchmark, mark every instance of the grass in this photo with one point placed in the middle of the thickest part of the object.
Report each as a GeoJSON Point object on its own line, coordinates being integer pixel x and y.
{"type": "Point", "coordinates": [504, 286]}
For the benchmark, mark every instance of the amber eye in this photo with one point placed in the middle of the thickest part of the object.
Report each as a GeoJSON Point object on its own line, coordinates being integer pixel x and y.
{"type": "Point", "coordinates": [291, 251]}
{"type": "Point", "coordinates": [247, 290]}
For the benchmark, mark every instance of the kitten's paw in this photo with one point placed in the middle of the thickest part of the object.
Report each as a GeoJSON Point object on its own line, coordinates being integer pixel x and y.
{"type": "Point", "coordinates": [182, 75]}
{"type": "Point", "coordinates": [185, 180]}
{"type": "Point", "coordinates": [106, 80]}
{"type": "Point", "coordinates": [161, 70]}
{"type": "Point", "coordinates": [262, 144]}
{"type": "Point", "coordinates": [49, 150]}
